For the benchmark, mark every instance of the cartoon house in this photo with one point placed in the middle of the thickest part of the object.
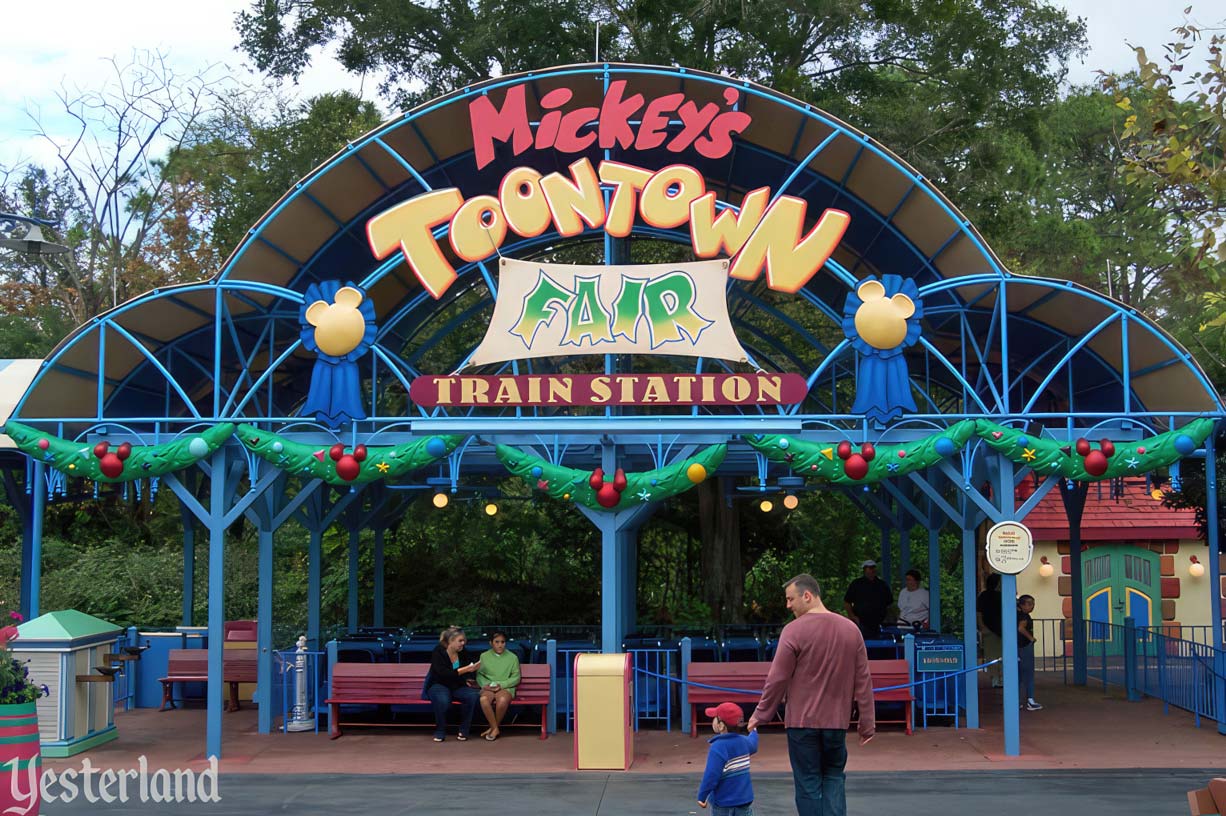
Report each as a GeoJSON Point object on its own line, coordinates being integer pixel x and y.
{"type": "Point", "coordinates": [1139, 559]}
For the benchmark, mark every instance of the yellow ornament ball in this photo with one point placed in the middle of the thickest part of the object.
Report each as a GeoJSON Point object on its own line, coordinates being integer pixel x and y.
{"type": "Point", "coordinates": [566, 496]}
{"type": "Point", "coordinates": [696, 473]}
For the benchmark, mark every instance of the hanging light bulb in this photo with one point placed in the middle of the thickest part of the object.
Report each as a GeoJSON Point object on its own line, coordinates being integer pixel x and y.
{"type": "Point", "coordinates": [440, 500]}
{"type": "Point", "coordinates": [491, 509]}
{"type": "Point", "coordinates": [766, 506]}
{"type": "Point", "coordinates": [790, 501]}
{"type": "Point", "coordinates": [1196, 569]}
{"type": "Point", "coordinates": [1046, 570]}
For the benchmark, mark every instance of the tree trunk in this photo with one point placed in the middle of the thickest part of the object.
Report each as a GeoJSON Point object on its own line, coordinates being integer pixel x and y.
{"type": "Point", "coordinates": [723, 574]}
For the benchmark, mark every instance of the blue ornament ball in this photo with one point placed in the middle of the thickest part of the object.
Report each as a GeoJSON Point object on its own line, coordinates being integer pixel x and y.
{"type": "Point", "coordinates": [654, 482]}
{"type": "Point", "coordinates": [1022, 441]}
{"type": "Point", "coordinates": [536, 472]}
{"type": "Point", "coordinates": [945, 446]}
{"type": "Point", "coordinates": [198, 447]}
{"type": "Point", "coordinates": [1184, 444]}
{"type": "Point", "coordinates": [277, 447]}
{"type": "Point", "coordinates": [783, 443]}
{"type": "Point", "coordinates": [436, 447]}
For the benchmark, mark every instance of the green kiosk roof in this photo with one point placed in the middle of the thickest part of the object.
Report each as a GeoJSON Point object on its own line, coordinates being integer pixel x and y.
{"type": "Point", "coordinates": [66, 625]}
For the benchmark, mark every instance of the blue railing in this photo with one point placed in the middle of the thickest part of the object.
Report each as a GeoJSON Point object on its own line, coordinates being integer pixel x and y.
{"type": "Point", "coordinates": [940, 693]}
{"type": "Point", "coordinates": [653, 695]}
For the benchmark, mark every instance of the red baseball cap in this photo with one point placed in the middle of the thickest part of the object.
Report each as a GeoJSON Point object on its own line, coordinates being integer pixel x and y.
{"type": "Point", "coordinates": [729, 713]}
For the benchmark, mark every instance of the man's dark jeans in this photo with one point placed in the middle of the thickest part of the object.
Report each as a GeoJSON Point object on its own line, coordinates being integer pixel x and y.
{"type": "Point", "coordinates": [818, 757]}
{"type": "Point", "coordinates": [441, 697]}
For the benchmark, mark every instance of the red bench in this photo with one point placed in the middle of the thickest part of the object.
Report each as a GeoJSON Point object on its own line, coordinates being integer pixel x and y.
{"type": "Point", "coordinates": [885, 674]}
{"type": "Point", "coordinates": [401, 684]}
{"type": "Point", "coordinates": [192, 666]}
{"type": "Point", "coordinates": [751, 676]}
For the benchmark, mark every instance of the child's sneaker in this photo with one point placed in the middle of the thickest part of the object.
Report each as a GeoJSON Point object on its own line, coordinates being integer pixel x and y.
{"type": "Point", "coordinates": [1031, 705]}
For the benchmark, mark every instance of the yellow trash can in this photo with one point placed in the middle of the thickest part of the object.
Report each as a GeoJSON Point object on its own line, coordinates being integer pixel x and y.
{"type": "Point", "coordinates": [604, 706]}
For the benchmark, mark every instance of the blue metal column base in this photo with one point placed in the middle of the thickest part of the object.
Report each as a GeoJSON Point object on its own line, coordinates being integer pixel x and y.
{"type": "Point", "coordinates": [612, 574]}
{"type": "Point", "coordinates": [217, 532]}
{"type": "Point", "coordinates": [378, 555]}
{"type": "Point", "coordinates": [354, 534]}
{"type": "Point", "coordinates": [264, 644]}
{"type": "Point", "coordinates": [38, 506]}
{"type": "Point", "coordinates": [970, 628]}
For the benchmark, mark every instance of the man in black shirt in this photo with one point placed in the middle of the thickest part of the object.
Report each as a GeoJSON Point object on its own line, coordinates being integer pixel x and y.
{"type": "Point", "coordinates": [867, 600]}
{"type": "Point", "coordinates": [987, 610]}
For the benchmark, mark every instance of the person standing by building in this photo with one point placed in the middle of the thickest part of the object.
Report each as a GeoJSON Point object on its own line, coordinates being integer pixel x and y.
{"type": "Point", "coordinates": [820, 666]}
{"type": "Point", "coordinates": [1025, 650]}
{"type": "Point", "coordinates": [913, 601]}
{"type": "Point", "coordinates": [987, 612]}
{"type": "Point", "coordinates": [867, 600]}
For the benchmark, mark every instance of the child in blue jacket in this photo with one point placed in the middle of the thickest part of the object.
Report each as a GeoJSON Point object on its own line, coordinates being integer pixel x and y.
{"type": "Point", "coordinates": [725, 783]}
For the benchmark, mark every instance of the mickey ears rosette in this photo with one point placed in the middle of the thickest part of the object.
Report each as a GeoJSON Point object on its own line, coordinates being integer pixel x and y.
{"type": "Point", "coordinates": [881, 318]}
{"type": "Point", "coordinates": [338, 325]}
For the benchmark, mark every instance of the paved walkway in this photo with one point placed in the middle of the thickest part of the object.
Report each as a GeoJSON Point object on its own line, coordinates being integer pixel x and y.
{"type": "Point", "coordinates": [1024, 793]}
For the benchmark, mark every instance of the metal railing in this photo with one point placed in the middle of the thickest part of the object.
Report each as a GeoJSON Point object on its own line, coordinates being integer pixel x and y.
{"type": "Point", "coordinates": [653, 696]}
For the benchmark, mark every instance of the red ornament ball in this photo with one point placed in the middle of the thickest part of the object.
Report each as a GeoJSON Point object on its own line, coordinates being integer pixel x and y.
{"type": "Point", "coordinates": [856, 466]}
{"type": "Point", "coordinates": [902, 454]}
{"type": "Point", "coordinates": [844, 449]}
{"type": "Point", "coordinates": [1096, 463]}
{"type": "Point", "coordinates": [359, 453]}
{"type": "Point", "coordinates": [1107, 447]}
{"type": "Point", "coordinates": [1141, 449]}
{"type": "Point", "coordinates": [1083, 447]}
{"type": "Point", "coordinates": [111, 466]}
{"type": "Point", "coordinates": [101, 448]}
{"type": "Point", "coordinates": [348, 467]}
{"type": "Point", "coordinates": [868, 452]}
{"type": "Point", "coordinates": [43, 444]}
{"type": "Point", "coordinates": [336, 452]}
{"type": "Point", "coordinates": [124, 451]}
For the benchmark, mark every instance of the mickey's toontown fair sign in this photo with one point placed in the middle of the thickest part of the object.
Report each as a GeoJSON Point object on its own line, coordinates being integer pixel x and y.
{"type": "Point", "coordinates": [402, 318]}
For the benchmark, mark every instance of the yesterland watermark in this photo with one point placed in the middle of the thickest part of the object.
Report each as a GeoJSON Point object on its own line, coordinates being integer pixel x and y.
{"type": "Point", "coordinates": [107, 785]}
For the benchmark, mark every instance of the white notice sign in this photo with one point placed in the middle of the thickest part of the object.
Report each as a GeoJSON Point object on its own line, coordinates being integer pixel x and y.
{"type": "Point", "coordinates": [1010, 547]}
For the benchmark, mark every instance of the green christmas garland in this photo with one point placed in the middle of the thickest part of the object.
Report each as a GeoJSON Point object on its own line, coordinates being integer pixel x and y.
{"type": "Point", "coordinates": [569, 484]}
{"type": "Point", "coordinates": [1084, 461]}
{"type": "Point", "coordinates": [847, 464]}
{"type": "Point", "coordinates": [338, 465]}
{"type": "Point", "coordinates": [125, 462]}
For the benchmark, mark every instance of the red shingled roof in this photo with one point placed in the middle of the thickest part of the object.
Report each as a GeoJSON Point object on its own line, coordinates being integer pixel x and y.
{"type": "Point", "coordinates": [1131, 516]}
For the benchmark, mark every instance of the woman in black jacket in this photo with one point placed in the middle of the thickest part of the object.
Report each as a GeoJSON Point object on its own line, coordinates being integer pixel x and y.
{"type": "Point", "coordinates": [451, 670]}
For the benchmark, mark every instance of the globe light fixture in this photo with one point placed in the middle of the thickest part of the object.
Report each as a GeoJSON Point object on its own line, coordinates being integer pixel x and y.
{"type": "Point", "coordinates": [440, 500]}
{"type": "Point", "coordinates": [1046, 570]}
{"type": "Point", "coordinates": [790, 501]}
{"type": "Point", "coordinates": [766, 506]}
{"type": "Point", "coordinates": [1196, 569]}
{"type": "Point", "coordinates": [491, 509]}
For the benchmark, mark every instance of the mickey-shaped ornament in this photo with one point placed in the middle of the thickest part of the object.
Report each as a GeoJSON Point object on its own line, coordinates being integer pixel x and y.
{"type": "Point", "coordinates": [608, 494]}
{"type": "Point", "coordinates": [111, 462]}
{"type": "Point", "coordinates": [348, 465]}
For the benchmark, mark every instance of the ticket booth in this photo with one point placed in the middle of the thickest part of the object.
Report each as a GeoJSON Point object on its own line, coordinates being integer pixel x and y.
{"type": "Point", "coordinates": [604, 711]}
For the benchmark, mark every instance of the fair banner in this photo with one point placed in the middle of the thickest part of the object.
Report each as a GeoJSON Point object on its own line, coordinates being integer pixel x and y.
{"type": "Point", "coordinates": [559, 310]}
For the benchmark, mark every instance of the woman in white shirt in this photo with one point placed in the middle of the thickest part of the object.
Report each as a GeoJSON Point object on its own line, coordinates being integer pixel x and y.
{"type": "Point", "coordinates": [913, 601]}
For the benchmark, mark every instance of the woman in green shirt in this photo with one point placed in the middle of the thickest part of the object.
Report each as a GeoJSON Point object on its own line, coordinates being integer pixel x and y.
{"type": "Point", "coordinates": [497, 675]}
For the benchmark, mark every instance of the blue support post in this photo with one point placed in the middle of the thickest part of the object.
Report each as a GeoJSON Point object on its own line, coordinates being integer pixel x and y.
{"type": "Point", "coordinates": [1008, 629]}
{"type": "Point", "coordinates": [27, 566]}
{"type": "Point", "coordinates": [264, 644]}
{"type": "Point", "coordinates": [551, 660]}
{"type": "Point", "coordinates": [378, 556]}
{"type": "Point", "coordinates": [970, 628]}
{"type": "Point", "coordinates": [314, 584]}
{"type": "Point", "coordinates": [612, 593]}
{"type": "Point", "coordinates": [1073, 494]}
{"type": "Point", "coordinates": [1213, 540]}
{"type": "Point", "coordinates": [886, 560]}
{"type": "Point", "coordinates": [354, 534]}
{"type": "Point", "coordinates": [38, 506]}
{"type": "Point", "coordinates": [217, 531]}
{"type": "Point", "coordinates": [687, 654]}
{"type": "Point", "coordinates": [934, 576]}
{"type": "Point", "coordinates": [189, 565]}
{"type": "Point", "coordinates": [1130, 659]}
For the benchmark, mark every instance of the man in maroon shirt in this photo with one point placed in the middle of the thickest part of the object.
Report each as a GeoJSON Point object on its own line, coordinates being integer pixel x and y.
{"type": "Point", "coordinates": [821, 665]}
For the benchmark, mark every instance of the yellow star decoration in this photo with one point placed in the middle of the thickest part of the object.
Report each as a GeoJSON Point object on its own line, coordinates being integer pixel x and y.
{"type": "Point", "coordinates": [1029, 454]}
{"type": "Point", "coordinates": [383, 467]}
